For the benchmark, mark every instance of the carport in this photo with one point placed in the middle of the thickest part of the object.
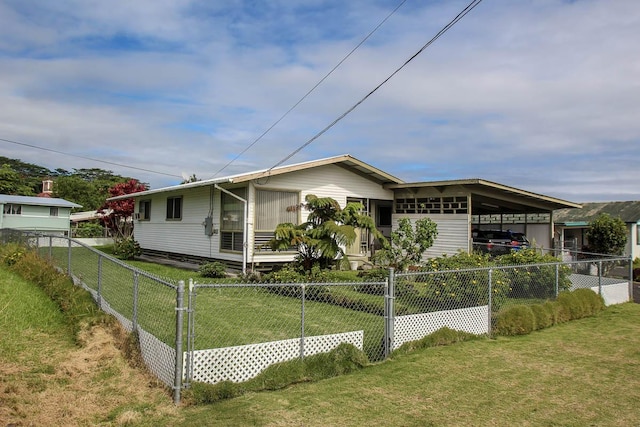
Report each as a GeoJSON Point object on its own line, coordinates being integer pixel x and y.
{"type": "Point", "coordinates": [461, 206]}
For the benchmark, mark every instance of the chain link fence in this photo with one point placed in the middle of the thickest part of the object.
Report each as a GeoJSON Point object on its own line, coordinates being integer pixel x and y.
{"type": "Point", "coordinates": [212, 332]}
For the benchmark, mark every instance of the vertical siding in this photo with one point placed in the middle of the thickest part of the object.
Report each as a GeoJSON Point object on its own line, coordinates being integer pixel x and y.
{"type": "Point", "coordinates": [453, 233]}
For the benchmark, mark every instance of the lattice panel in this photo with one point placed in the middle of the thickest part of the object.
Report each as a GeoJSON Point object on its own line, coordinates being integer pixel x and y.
{"type": "Point", "coordinates": [416, 326]}
{"type": "Point", "coordinates": [242, 363]}
{"type": "Point", "coordinates": [158, 356]}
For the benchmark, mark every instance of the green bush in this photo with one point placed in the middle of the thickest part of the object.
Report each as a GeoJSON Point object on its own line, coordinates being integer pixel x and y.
{"type": "Point", "coordinates": [345, 358]}
{"type": "Point", "coordinates": [126, 249]}
{"type": "Point", "coordinates": [515, 320]}
{"type": "Point", "coordinates": [543, 317]}
{"type": "Point", "coordinates": [535, 281]}
{"type": "Point", "coordinates": [443, 336]}
{"type": "Point", "coordinates": [465, 283]}
{"type": "Point", "coordinates": [89, 229]}
{"type": "Point", "coordinates": [214, 269]}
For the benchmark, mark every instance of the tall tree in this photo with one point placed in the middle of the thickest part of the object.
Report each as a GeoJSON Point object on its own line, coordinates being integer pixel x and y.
{"type": "Point", "coordinates": [328, 229]}
{"type": "Point", "coordinates": [11, 182]}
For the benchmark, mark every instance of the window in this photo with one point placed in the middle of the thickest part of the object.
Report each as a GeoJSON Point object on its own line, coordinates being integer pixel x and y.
{"type": "Point", "coordinates": [12, 209]}
{"type": "Point", "coordinates": [53, 211]}
{"type": "Point", "coordinates": [174, 208]}
{"type": "Point", "coordinates": [273, 208]}
{"type": "Point", "coordinates": [384, 216]}
{"type": "Point", "coordinates": [232, 221]}
{"type": "Point", "coordinates": [144, 210]}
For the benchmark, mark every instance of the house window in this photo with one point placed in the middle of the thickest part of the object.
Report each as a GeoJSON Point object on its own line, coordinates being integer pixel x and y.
{"type": "Point", "coordinates": [53, 211]}
{"type": "Point", "coordinates": [383, 218]}
{"type": "Point", "coordinates": [144, 210]}
{"type": "Point", "coordinates": [232, 221]}
{"type": "Point", "coordinates": [174, 208]}
{"type": "Point", "coordinates": [273, 208]}
{"type": "Point", "coordinates": [12, 209]}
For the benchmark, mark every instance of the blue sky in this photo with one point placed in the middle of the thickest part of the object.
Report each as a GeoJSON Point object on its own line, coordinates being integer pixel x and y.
{"type": "Point", "coordinates": [542, 95]}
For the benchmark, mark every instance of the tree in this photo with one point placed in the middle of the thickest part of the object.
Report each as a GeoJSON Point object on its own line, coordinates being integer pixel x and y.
{"type": "Point", "coordinates": [607, 235]}
{"type": "Point", "coordinates": [118, 214]}
{"type": "Point", "coordinates": [328, 229]}
{"type": "Point", "coordinates": [12, 183]}
{"type": "Point", "coordinates": [409, 243]}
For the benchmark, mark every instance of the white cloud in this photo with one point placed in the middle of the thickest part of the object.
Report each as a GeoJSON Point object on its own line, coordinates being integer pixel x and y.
{"type": "Point", "coordinates": [541, 95]}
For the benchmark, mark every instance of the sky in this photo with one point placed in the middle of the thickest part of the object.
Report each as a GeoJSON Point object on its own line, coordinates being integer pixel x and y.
{"type": "Point", "coordinates": [542, 95]}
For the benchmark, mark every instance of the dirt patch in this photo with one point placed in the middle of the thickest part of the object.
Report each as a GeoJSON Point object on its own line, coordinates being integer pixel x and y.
{"type": "Point", "coordinates": [87, 385]}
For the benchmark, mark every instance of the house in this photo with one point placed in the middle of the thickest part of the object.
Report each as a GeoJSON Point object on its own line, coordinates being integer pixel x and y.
{"type": "Point", "coordinates": [231, 218]}
{"type": "Point", "coordinates": [571, 225]}
{"type": "Point", "coordinates": [43, 214]}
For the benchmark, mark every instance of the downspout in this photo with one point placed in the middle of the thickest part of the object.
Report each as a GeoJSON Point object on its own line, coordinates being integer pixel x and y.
{"type": "Point", "coordinates": [245, 228]}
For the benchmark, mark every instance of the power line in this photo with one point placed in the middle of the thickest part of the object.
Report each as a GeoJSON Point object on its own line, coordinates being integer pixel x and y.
{"type": "Point", "coordinates": [88, 158]}
{"type": "Point", "coordinates": [313, 88]}
{"type": "Point", "coordinates": [461, 15]}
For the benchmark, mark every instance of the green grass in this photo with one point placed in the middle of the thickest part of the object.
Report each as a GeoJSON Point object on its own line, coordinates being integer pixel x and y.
{"type": "Point", "coordinates": [577, 374]}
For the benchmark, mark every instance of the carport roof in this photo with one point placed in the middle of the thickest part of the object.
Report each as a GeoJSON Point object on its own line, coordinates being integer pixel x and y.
{"type": "Point", "coordinates": [489, 197]}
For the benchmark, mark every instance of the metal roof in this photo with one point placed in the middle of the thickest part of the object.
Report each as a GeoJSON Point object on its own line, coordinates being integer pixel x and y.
{"type": "Point", "coordinates": [489, 197]}
{"type": "Point", "coordinates": [629, 212]}
{"type": "Point", "coordinates": [346, 161]}
{"type": "Point", "coordinates": [37, 201]}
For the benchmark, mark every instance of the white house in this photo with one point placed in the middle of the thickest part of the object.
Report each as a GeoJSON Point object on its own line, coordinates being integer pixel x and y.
{"type": "Point", "coordinates": [231, 218]}
{"type": "Point", "coordinates": [42, 214]}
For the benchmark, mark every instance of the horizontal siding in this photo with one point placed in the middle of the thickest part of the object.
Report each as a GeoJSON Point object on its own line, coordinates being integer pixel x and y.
{"type": "Point", "coordinates": [453, 233]}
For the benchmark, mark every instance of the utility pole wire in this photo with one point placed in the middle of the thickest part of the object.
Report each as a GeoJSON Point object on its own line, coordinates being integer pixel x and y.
{"type": "Point", "coordinates": [88, 158]}
{"type": "Point", "coordinates": [312, 89]}
{"type": "Point", "coordinates": [461, 15]}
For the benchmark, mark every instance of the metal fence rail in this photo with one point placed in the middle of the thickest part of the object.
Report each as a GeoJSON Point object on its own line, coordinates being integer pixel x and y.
{"type": "Point", "coordinates": [211, 332]}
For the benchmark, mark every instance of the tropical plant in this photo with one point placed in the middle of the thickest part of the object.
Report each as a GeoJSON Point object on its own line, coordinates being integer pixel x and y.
{"type": "Point", "coordinates": [409, 242]}
{"type": "Point", "coordinates": [321, 239]}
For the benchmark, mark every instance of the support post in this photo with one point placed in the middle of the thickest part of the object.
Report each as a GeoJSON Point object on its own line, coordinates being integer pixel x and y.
{"type": "Point", "coordinates": [302, 299]}
{"type": "Point", "coordinates": [557, 289]}
{"type": "Point", "coordinates": [134, 319]}
{"type": "Point", "coordinates": [630, 278]}
{"type": "Point", "coordinates": [177, 384]}
{"type": "Point", "coordinates": [599, 277]}
{"type": "Point", "coordinates": [389, 296]}
{"type": "Point", "coordinates": [490, 301]}
{"type": "Point", "coordinates": [69, 256]}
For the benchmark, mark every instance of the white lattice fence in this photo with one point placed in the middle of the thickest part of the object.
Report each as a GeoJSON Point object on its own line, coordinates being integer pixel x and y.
{"type": "Point", "coordinates": [416, 326]}
{"type": "Point", "coordinates": [241, 363]}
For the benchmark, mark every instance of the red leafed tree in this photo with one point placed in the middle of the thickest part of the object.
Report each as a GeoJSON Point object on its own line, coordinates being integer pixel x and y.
{"type": "Point", "coordinates": [118, 214]}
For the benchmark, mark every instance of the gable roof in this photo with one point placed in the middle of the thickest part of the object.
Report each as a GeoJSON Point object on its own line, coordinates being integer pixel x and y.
{"type": "Point", "coordinates": [346, 161]}
{"type": "Point", "coordinates": [629, 212]}
{"type": "Point", "coordinates": [37, 201]}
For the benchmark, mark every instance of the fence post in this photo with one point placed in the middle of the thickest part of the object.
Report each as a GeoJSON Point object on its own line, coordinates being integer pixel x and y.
{"type": "Point", "coordinates": [490, 301]}
{"type": "Point", "coordinates": [69, 256]}
{"type": "Point", "coordinates": [600, 277]}
{"type": "Point", "coordinates": [302, 298]}
{"type": "Point", "coordinates": [630, 278]}
{"type": "Point", "coordinates": [389, 314]}
{"type": "Point", "coordinates": [557, 279]}
{"type": "Point", "coordinates": [134, 319]}
{"type": "Point", "coordinates": [50, 248]}
{"type": "Point", "coordinates": [99, 301]}
{"type": "Point", "coordinates": [177, 384]}
{"type": "Point", "coordinates": [188, 368]}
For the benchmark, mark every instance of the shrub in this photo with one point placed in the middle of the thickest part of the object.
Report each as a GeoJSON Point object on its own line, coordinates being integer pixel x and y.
{"type": "Point", "coordinates": [213, 269]}
{"type": "Point", "coordinates": [126, 248]}
{"type": "Point", "coordinates": [463, 282]}
{"type": "Point", "coordinates": [345, 358]}
{"type": "Point", "coordinates": [515, 320]}
{"type": "Point", "coordinates": [443, 336]}
{"type": "Point", "coordinates": [535, 281]}
{"type": "Point", "coordinates": [543, 317]}
{"type": "Point", "coordinates": [89, 229]}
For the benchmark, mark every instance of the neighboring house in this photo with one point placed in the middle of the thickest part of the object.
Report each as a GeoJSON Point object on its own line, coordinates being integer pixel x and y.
{"type": "Point", "coordinates": [45, 214]}
{"type": "Point", "coordinates": [571, 225]}
{"type": "Point", "coordinates": [231, 218]}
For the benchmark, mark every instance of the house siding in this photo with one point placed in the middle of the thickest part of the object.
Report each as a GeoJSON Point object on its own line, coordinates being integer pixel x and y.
{"type": "Point", "coordinates": [38, 218]}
